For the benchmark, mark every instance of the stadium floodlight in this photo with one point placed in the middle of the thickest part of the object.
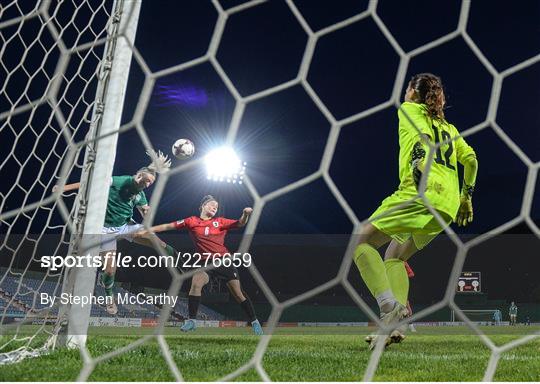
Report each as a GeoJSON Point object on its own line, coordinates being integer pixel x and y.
{"type": "Point", "coordinates": [224, 164]}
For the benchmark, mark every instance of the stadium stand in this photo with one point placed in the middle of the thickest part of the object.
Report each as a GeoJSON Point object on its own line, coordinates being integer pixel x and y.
{"type": "Point", "coordinates": [21, 297]}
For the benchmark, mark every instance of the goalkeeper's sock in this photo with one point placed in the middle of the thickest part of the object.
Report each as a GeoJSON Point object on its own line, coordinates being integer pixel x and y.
{"type": "Point", "coordinates": [193, 306]}
{"type": "Point", "coordinates": [108, 283]}
{"type": "Point", "coordinates": [398, 279]}
{"type": "Point", "coordinates": [247, 306]}
{"type": "Point", "coordinates": [371, 267]}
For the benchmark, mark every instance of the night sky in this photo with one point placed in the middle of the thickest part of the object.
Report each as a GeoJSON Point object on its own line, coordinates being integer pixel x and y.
{"type": "Point", "coordinates": [282, 137]}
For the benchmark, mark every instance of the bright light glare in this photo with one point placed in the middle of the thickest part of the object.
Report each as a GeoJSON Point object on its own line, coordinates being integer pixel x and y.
{"type": "Point", "coordinates": [223, 164]}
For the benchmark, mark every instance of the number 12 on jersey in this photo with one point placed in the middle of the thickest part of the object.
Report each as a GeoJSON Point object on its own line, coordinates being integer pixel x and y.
{"type": "Point", "coordinates": [448, 153]}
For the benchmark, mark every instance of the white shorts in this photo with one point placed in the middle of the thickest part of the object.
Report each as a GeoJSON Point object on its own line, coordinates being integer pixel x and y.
{"type": "Point", "coordinates": [111, 234]}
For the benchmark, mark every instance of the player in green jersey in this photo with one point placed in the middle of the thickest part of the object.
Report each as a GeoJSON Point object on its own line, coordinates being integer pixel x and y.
{"type": "Point", "coordinates": [125, 194]}
{"type": "Point", "coordinates": [403, 219]}
{"type": "Point", "coordinates": [513, 313]}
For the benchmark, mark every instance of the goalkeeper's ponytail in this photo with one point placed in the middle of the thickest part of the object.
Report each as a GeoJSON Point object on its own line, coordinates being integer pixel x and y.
{"type": "Point", "coordinates": [429, 90]}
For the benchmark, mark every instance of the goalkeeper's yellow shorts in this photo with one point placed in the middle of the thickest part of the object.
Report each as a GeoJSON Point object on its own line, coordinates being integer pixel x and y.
{"type": "Point", "coordinates": [402, 221]}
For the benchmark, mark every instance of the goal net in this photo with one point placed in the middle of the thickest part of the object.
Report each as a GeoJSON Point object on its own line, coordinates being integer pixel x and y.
{"type": "Point", "coordinates": [56, 59]}
{"type": "Point", "coordinates": [482, 316]}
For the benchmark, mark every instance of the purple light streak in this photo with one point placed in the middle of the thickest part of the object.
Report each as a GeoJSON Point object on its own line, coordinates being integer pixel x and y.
{"type": "Point", "coordinates": [190, 96]}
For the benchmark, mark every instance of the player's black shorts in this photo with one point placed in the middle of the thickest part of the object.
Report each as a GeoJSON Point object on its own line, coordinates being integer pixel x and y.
{"type": "Point", "coordinates": [224, 273]}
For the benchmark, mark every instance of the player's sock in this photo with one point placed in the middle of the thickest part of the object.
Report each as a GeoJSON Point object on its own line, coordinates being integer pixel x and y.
{"type": "Point", "coordinates": [398, 279]}
{"type": "Point", "coordinates": [409, 308]}
{"type": "Point", "coordinates": [193, 306]}
{"type": "Point", "coordinates": [247, 306]}
{"type": "Point", "coordinates": [371, 267]}
{"type": "Point", "coordinates": [170, 251]}
{"type": "Point", "coordinates": [108, 283]}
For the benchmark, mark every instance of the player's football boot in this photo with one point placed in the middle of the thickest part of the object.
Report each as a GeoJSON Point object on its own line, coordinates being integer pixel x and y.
{"type": "Point", "coordinates": [412, 328]}
{"type": "Point", "coordinates": [394, 316]}
{"type": "Point", "coordinates": [257, 328]}
{"type": "Point", "coordinates": [395, 337]}
{"type": "Point", "coordinates": [188, 326]}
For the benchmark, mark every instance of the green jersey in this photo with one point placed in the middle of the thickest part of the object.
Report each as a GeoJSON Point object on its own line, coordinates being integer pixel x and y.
{"type": "Point", "coordinates": [442, 189]}
{"type": "Point", "coordinates": [513, 310]}
{"type": "Point", "coordinates": [123, 197]}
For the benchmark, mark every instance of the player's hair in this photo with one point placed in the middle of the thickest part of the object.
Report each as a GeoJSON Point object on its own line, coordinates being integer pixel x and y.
{"type": "Point", "coordinates": [430, 91]}
{"type": "Point", "coordinates": [147, 170]}
{"type": "Point", "coordinates": [206, 200]}
{"type": "Point", "coordinates": [160, 163]}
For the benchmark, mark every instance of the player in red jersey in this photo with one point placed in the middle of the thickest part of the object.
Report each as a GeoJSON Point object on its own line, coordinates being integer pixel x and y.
{"type": "Point", "coordinates": [208, 234]}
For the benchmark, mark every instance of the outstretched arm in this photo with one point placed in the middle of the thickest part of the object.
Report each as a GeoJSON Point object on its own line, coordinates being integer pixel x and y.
{"type": "Point", "coordinates": [67, 187]}
{"type": "Point", "coordinates": [157, 229]}
{"type": "Point", "coordinates": [163, 227]}
{"type": "Point", "coordinates": [72, 187]}
{"type": "Point", "coordinates": [246, 213]}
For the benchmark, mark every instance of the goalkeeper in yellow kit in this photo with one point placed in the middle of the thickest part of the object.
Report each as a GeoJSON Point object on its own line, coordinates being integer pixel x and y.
{"type": "Point", "coordinates": [403, 219]}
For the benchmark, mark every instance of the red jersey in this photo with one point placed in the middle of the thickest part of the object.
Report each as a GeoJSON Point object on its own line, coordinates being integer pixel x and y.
{"type": "Point", "coordinates": [208, 235]}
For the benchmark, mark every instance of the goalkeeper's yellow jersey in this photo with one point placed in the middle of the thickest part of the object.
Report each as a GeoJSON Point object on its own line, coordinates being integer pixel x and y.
{"type": "Point", "coordinates": [442, 190]}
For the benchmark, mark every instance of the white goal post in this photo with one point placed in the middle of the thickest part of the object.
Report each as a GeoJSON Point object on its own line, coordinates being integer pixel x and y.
{"type": "Point", "coordinates": [85, 51]}
{"type": "Point", "coordinates": [99, 168]}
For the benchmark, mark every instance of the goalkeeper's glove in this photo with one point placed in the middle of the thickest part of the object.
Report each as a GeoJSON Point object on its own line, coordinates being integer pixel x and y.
{"type": "Point", "coordinates": [465, 212]}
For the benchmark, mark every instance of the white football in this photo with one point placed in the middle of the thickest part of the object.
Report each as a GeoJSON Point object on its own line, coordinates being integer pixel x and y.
{"type": "Point", "coordinates": [183, 149]}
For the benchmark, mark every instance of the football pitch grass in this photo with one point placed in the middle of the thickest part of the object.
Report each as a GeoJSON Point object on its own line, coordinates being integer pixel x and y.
{"type": "Point", "coordinates": [293, 354]}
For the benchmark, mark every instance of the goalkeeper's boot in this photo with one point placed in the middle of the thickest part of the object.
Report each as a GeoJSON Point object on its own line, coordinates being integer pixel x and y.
{"type": "Point", "coordinates": [111, 307]}
{"type": "Point", "coordinates": [394, 316]}
{"type": "Point", "coordinates": [257, 328]}
{"type": "Point", "coordinates": [398, 334]}
{"type": "Point", "coordinates": [188, 326]}
{"type": "Point", "coordinates": [395, 337]}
